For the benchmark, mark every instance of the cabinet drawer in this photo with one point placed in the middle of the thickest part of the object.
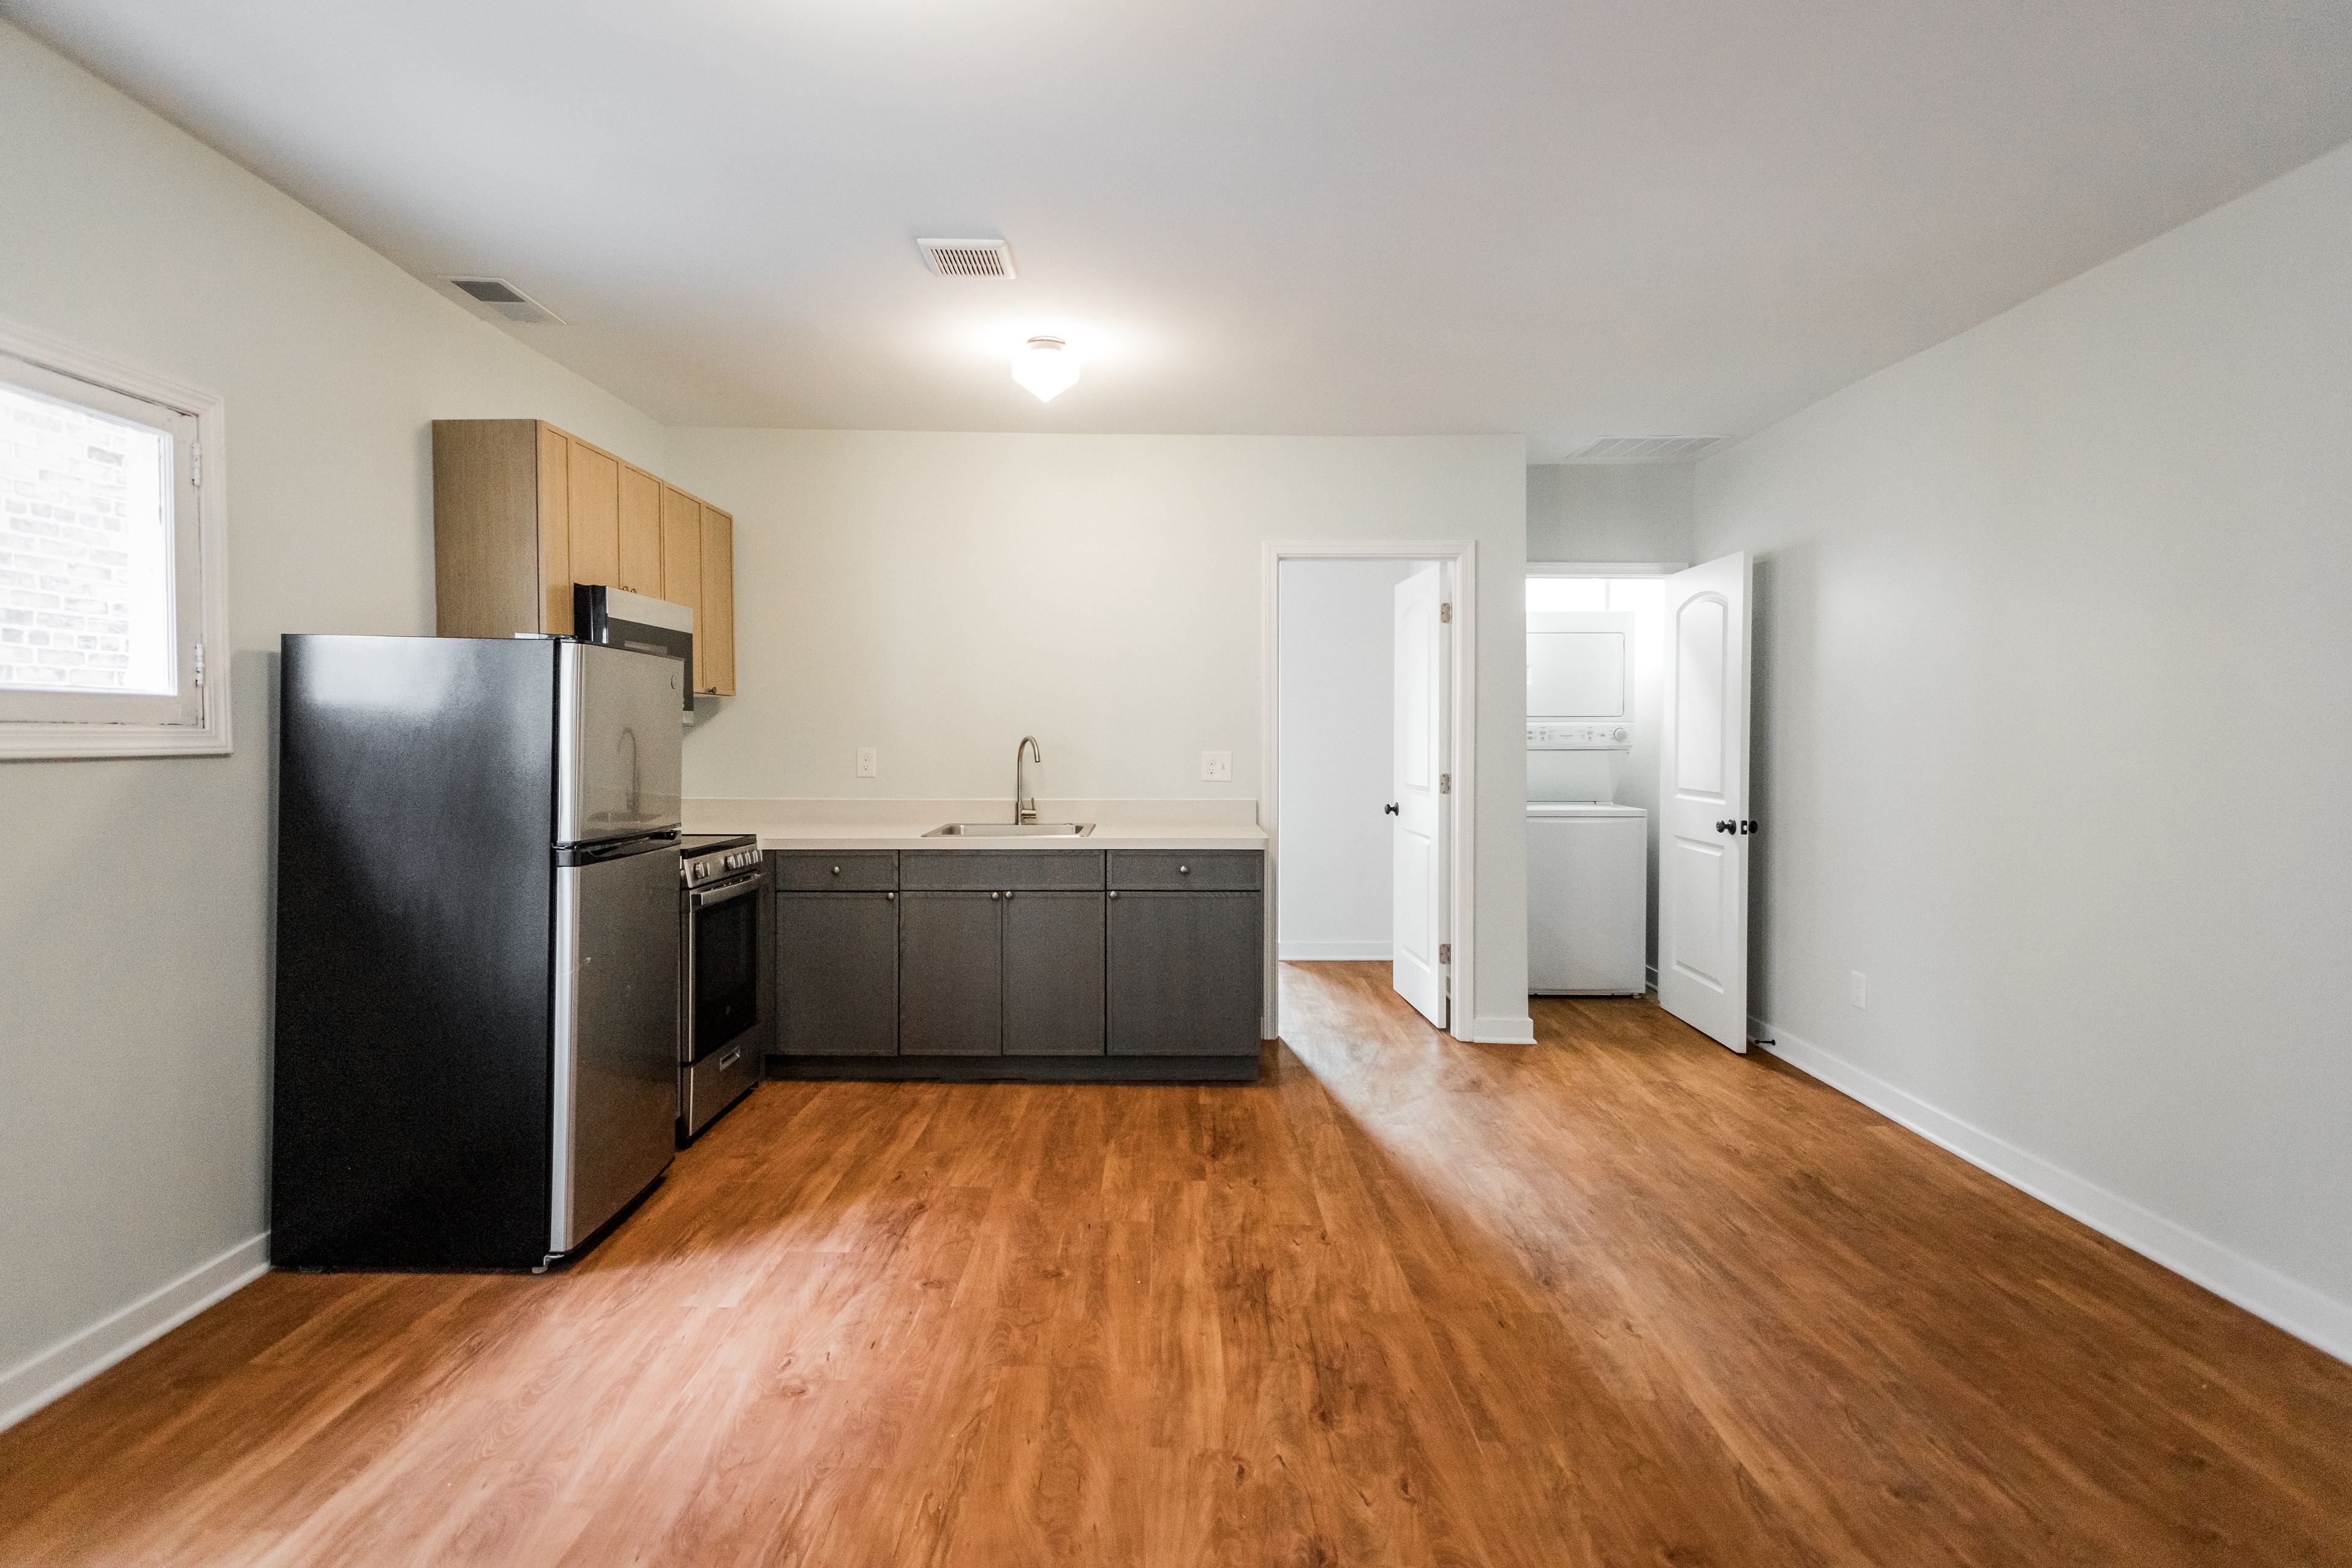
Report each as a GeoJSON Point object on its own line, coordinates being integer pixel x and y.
{"type": "Point", "coordinates": [1189, 870]}
{"type": "Point", "coordinates": [995, 870]}
{"type": "Point", "coordinates": [835, 870]}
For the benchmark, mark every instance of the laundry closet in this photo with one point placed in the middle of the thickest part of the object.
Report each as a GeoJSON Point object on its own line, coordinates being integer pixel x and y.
{"type": "Point", "coordinates": [1591, 760]}
{"type": "Point", "coordinates": [1638, 827]}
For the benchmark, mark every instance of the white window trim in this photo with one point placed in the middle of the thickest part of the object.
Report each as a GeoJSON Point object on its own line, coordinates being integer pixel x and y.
{"type": "Point", "coordinates": [27, 741]}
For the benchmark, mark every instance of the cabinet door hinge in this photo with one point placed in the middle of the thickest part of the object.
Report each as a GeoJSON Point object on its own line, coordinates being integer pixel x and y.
{"type": "Point", "coordinates": [199, 664]}
{"type": "Point", "coordinates": [1444, 953]}
{"type": "Point", "coordinates": [1445, 614]}
{"type": "Point", "coordinates": [1445, 784]}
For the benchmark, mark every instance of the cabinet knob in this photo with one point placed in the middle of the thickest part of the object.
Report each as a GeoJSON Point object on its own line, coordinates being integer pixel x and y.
{"type": "Point", "coordinates": [994, 897]}
{"type": "Point", "coordinates": [1114, 895]}
{"type": "Point", "coordinates": [1184, 870]}
{"type": "Point", "coordinates": [836, 871]}
{"type": "Point", "coordinates": [891, 896]}
{"type": "Point", "coordinates": [1008, 893]}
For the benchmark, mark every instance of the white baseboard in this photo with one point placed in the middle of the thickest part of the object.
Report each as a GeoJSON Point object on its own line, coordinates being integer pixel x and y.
{"type": "Point", "coordinates": [61, 1368]}
{"type": "Point", "coordinates": [1500, 1032]}
{"type": "Point", "coordinates": [2260, 1290]}
{"type": "Point", "coordinates": [1325, 952]}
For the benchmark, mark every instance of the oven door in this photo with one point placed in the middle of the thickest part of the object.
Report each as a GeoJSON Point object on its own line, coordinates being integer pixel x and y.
{"type": "Point", "coordinates": [722, 965]}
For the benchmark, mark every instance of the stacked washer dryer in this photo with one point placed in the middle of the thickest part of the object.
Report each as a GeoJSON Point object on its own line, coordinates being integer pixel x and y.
{"type": "Point", "coordinates": [1588, 857]}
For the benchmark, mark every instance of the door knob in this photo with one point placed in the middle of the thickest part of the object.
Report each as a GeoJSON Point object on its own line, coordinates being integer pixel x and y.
{"type": "Point", "coordinates": [1389, 810]}
{"type": "Point", "coordinates": [1726, 826]}
{"type": "Point", "coordinates": [1748, 824]}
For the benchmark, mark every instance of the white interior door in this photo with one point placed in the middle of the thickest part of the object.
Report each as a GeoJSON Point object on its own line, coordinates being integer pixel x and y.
{"type": "Point", "coordinates": [1703, 802]}
{"type": "Point", "coordinates": [1417, 837]}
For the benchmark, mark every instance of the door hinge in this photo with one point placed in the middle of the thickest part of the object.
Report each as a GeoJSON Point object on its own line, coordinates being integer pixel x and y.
{"type": "Point", "coordinates": [1445, 614]}
{"type": "Point", "coordinates": [196, 464]}
{"type": "Point", "coordinates": [1444, 953]}
{"type": "Point", "coordinates": [1445, 784]}
{"type": "Point", "coordinates": [199, 664]}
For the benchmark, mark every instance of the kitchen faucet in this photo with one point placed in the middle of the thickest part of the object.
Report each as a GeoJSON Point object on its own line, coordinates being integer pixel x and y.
{"type": "Point", "coordinates": [1024, 806]}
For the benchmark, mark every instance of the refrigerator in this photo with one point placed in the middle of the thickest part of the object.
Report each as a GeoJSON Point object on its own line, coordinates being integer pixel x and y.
{"type": "Point", "coordinates": [475, 1048]}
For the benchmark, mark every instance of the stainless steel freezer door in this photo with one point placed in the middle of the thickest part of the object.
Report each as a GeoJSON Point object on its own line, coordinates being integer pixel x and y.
{"type": "Point", "coordinates": [616, 985]}
{"type": "Point", "coordinates": [618, 743]}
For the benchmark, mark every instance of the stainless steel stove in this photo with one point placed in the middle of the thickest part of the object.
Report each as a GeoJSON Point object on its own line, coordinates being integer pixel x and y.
{"type": "Point", "coordinates": [722, 878]}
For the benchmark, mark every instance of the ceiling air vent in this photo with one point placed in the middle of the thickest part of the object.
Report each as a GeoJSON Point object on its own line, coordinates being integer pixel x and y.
{"type": "Point", "coordinates": [505, 298]}
{"type": "Point", "coordinates": [1644, 448]}
{"type": "Point", "coordinates": [968, 258]}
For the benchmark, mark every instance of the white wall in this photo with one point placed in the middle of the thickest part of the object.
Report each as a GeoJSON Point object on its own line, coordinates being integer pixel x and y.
{"type": "Point", "coordinates": [133, 930]}
{"type": "Point", "coordinates": [938, 596]}
{"type": "Point", "coordinates": [1335, 723]}
{"type": "Point", "coordinates": [2051, 716]}
{"type": "Point", "coordinates": [1610, 512]}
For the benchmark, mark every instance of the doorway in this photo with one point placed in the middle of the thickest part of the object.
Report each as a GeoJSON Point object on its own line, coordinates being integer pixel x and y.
{"type": "Point", "coordinates": [1368, 705]}
{"type": "Point", "coordinates": [1684, 769]}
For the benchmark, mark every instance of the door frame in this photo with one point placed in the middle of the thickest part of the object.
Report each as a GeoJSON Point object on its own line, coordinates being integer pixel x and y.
{"type": "Point", "coordinates": [1458, 561]}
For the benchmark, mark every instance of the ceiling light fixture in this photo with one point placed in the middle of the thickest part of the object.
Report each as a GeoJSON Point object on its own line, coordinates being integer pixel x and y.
{"type": "Point", "coordinates": [1046, 367]}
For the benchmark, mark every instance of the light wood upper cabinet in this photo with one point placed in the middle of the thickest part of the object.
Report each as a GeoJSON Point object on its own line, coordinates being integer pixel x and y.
{"type": "Point", "coordinates": [719, 600]}
{"type": "Point", "coordinates": [596, 520]}
{"type": "Point", "coordinates": [641, 543]}
{"type": "Point", "coordinates": [555, 450]}
{"type": "Point", "coordinates": [522, 511]}
{"type": "Point", "coordinates": [681, 545]}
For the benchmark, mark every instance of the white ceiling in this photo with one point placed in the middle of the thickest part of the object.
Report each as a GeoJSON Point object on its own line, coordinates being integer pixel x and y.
{"type": "Point", "coordinates": [1568, 219]}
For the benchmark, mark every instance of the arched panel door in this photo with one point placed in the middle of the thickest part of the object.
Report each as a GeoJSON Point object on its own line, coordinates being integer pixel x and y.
{"type": "Point", "coordinates": [1704, 827]}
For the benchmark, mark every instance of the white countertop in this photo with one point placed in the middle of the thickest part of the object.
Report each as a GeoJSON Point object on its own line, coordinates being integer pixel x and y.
{"type": "Point", "coordinates": [903, 823]}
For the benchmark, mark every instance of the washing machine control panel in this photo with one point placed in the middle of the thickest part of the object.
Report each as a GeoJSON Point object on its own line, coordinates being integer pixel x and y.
{"type": "Point", "coordinates": [1562, 735]}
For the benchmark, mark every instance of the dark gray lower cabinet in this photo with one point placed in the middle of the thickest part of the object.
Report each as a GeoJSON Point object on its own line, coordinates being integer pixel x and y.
{"type": "Point", "coordinates": [951, 967]}
{"type": "Point", "coordinates": [1156, 976]}
{"type": "Point", "coordinates": [837, 974]}
{"type": "Point", "coordinates": [1182, 972]}
{"type": "Point", "coordinates": [1054, 975]}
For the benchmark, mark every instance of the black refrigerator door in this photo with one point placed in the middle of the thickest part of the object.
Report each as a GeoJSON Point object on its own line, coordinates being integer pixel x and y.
{"type": "Point", "coordinates": [415, 922]}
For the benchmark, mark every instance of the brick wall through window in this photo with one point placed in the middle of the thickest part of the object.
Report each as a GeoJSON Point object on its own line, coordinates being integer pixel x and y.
{"type": "Point", "coordinates": [85, 548]}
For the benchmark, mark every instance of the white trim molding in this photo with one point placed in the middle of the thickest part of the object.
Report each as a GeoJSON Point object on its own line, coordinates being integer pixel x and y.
{"type": "Point", "coordinates": [1459, 557]}
{"type": "Point", "coordinates": [27, 741]}
{"type": "Point", "coordinates": [1500, 1031]}
{"type": "Point", "coordinates": [1606, 568]}
{"type": "Point", "coordinates": [64, 1367]}
{"type": "Point", "coordinates": [1334, 952]}
{"type": "Point", "coordinates": [2309, 1316]}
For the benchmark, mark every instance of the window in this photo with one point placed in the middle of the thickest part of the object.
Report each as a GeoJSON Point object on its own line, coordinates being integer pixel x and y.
{"type": "Point", "coordinates": [111, 560]}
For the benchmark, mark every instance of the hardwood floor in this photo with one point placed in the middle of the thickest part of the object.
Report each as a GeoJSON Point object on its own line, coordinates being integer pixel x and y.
{"type": "Point", "coordinates": [1618, 1298]}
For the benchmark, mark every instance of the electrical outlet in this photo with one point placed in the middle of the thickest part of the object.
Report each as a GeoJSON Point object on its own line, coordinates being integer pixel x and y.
{"type": "Point", "coordinates": [1858, 989]}
{"type": "Point", "coordinates": [1217, 767]}
{"type": "Point", "coordinates": [867, 765]}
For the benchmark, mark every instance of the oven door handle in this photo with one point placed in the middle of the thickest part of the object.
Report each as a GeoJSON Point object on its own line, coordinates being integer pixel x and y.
{"type": "Point", "coordinates": [704, 897]}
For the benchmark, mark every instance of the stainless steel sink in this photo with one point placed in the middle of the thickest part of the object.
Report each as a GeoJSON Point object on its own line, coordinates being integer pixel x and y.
{"type": "Point", "coordinates": [1011, 830]}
